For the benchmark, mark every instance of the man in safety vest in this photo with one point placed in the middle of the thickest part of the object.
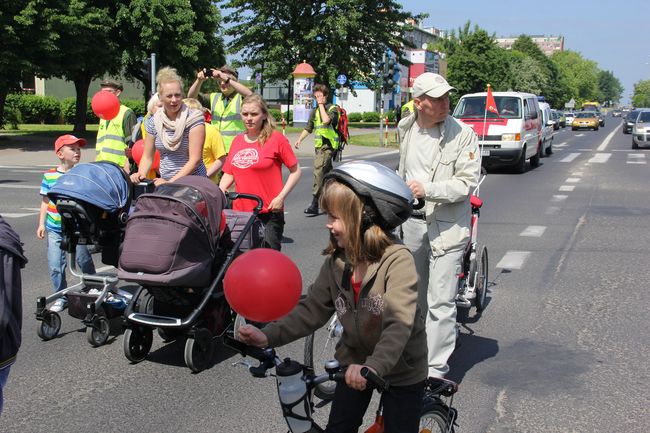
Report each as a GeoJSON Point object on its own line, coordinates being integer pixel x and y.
{"type": "Point", "coordinates": [322, 121]}
{"type": "Point", "coordinates": [114, 136]}
{"type": "Point", "coordinates": [225, 107]}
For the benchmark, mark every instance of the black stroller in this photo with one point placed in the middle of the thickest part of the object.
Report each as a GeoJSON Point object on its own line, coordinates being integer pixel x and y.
{"type": "Point", "coordinates": [93, 200]}
{"type": "Point", "coordinates": [179, 241]}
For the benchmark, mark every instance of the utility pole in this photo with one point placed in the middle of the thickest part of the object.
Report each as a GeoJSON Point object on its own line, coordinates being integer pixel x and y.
{"type": "Point", "coordinates": [381, 99]}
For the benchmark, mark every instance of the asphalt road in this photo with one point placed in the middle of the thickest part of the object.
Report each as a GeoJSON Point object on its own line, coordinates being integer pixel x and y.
{"type": "Point", "coordinates": [561, 346]}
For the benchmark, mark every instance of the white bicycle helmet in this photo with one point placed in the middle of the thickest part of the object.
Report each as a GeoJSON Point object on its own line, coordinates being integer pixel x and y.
{"type": "Point", "coordinates": [388, 201]}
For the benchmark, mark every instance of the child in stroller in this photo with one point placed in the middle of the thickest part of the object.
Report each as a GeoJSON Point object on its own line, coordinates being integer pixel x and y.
{"type": "Point", "coordinates": [178, 243]}
{"type": "Point", "coordinates": [93, 200]}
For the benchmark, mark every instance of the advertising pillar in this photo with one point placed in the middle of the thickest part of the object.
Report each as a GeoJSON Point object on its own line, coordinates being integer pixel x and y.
{"type": "Point", "coordinates": [303, 83]}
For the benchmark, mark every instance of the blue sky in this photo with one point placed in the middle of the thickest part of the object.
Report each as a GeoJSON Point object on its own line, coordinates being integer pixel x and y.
{"type": "Point", "coordinates": [614, 34]}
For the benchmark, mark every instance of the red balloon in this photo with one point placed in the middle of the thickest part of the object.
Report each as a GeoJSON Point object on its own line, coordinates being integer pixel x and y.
{"type": "Point", "coordinates": [105, 105]}
{"type": "Point", "coordinates": [262, 285]}
{"type": "Point", "coordinates": [138, 149]}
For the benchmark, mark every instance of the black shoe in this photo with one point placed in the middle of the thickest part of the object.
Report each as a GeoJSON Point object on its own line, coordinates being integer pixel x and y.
{"type": "Point", "coordinates": [312, 209]}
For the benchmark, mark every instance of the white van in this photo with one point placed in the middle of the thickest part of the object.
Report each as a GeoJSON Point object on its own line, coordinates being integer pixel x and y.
{"type": "Point", "coordinates": [547, 129]}
{"type": "Point", "coordinates": [510, 137]}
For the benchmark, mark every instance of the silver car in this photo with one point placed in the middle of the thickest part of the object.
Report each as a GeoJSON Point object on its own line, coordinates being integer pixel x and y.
{"type": "Point", "coordinates": [641, 130]}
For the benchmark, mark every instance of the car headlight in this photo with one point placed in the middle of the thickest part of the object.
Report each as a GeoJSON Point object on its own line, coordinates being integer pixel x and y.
{"type": "Point", "coordinates": [510, 137]}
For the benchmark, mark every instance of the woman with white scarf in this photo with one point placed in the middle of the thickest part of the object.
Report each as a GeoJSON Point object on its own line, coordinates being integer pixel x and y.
{"type": "Point", "coordinates": [177, 131]}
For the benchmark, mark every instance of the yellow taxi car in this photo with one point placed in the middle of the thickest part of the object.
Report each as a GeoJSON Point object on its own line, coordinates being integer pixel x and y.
{"type": "Point", "coordinates": [585, 120]}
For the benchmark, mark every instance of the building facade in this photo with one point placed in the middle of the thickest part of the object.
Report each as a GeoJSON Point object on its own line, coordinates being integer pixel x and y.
{"type": "Point", "coordinates": [548, 44]}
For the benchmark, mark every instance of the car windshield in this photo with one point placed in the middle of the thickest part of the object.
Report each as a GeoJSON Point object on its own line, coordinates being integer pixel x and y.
{"type": "Point", "coordinates": [643, 117]}
{"type": "Point", "coordinates": [586, 115]}
{"type": "Point", "coordinates": [474, 107]}
{"type": "Point", "coordinates": [632, 115]}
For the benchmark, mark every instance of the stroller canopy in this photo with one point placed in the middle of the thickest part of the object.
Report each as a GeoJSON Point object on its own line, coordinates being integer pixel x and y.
{"type": "Point", "coordinates": [100, 183]}
{"type": "Point", "coordinates": [202, 195]}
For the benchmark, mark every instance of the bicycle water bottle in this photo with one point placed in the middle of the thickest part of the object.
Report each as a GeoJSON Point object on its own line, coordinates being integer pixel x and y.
{"type": "Point", "coordinates": [292, 390]}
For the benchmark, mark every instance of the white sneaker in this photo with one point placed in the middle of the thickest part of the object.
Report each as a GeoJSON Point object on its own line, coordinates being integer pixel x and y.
{"type": "Point", "coordinates": [59, 305]}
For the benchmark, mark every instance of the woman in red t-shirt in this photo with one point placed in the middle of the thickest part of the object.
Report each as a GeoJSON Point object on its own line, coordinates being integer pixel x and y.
{"type": "Point", "coordinates": [254, 164]}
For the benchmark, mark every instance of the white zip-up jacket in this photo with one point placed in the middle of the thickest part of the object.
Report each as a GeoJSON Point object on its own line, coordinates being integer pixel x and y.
{"type": "Point", "coordinates": [454, 176]}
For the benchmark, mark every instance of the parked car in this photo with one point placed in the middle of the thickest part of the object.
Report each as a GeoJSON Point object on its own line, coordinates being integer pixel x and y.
{"type": "Point", "coordinates": [512, 136]}
{"type": "Point", "coordinates": [641, 129]}
{"type": "Point", "coordinates": [585, 120]}
{"type": "Point", "coordinates": [629, 120]}
{"type": "Point", "coordinates": [556, 120]}
{"type": "Point", "coordinates": [569, 116]}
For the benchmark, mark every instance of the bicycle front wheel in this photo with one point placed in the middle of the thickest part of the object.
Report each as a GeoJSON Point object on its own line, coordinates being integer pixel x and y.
{"type": "Point", "coordinates": [319, 348]}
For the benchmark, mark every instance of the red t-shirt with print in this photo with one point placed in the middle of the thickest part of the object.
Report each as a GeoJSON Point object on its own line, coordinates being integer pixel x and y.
{"type": "Point", "coordinates": [258, 170]}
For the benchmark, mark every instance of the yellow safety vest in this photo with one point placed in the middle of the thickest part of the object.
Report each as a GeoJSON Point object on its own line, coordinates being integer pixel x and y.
{"type": "Point", "coordinates": [326, 131]}
{"type": "Point", "coordinates": [111, 139]}
{"type": "Point", "coordinates": [227, 118]}
{"type": "Point", "coordinates": [408, 108]}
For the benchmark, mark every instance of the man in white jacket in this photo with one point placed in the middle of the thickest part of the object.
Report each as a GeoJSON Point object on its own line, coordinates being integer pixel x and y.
{"type": "Point", "coordinates": [439, 161]}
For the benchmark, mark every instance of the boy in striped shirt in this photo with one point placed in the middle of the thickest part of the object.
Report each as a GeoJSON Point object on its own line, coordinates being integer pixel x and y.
{"type": "Point", "coordinates": [68, 150]}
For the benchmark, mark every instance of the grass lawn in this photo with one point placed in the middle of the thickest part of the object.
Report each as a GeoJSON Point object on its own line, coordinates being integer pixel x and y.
{"type": "Point", "coordinates": [372, 139]}
{"type": "Point", "coordinates": [47, 130]}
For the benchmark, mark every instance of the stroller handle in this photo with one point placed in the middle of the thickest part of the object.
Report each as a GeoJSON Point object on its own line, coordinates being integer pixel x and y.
{"type": "Point", "coordinates": [235, 195]}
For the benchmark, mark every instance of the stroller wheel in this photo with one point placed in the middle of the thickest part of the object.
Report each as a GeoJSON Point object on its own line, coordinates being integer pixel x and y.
{"type": "Point", "coordinates": [49, 327]}
{"type": "Point", "coordinates": [97, 334]}
{"type": "Point", "coordinates": [198, 350]}
{"type": "Point", "coordinates": [137, 343]}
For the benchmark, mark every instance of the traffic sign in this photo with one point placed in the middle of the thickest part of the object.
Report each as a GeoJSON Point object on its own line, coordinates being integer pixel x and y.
{"type": "Point", "coordinates": [342, 79]}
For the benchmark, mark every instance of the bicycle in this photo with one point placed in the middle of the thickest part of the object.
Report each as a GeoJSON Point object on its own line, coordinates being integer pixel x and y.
{"type": "Point", "coordinates": [473, 279]}
{"type": "Point", "coordinates": [437, 415]}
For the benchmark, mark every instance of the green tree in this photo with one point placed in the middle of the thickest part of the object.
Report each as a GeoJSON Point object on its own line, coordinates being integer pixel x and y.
{"type": "Point", "coordinates": [550, 81]}
{"type": "Point", "coordinates": [83, 45]}
{"type": "Point", "coordinates": [343, 36]}
{"type": "Point", "coordinates": [183, 34]}
{"type": "Point", "coordinates": [526, 74]}
{"type": "Point", "coordinates": [580, 75]}
{"type": "Point", "coordinates": [476, 62]}
{"type": "Point", "coordinates": [641, 95]}
{"type": "Point", "coordinates": [21, 47]}
{"type": "Point", "coordinates": [610, 87]}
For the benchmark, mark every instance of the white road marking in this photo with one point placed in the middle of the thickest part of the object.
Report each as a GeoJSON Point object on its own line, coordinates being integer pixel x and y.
{"type": "Point", "coordinates": [579, 135]}
{"type": "Point", "coordinates": [560, 144]}
{"type": "Point", "coordinates": [567, 188]}
{"type": "Point", "coordinates": [634, 162]}
{"type": "Point", "coordinates": [606, 141]}
{"type": "Point", "coordinates": [18, 186]}
{"type": "Point", "coordinates": [25, 166]}
{"type": "Point", "coordinates": [600, 158]}
{"type": "Point", "coordinates": [576, 173]}
{"type": "Point", "coordinates": [559, 197]}
{"type": "Point", "coordinates": [17, 214]}
{"type": "Point", "coordinates": [636, 155]}
{"type": "Point", "coordinates": [513, 260]}
{"type": "Point", "coordinates": [533, 231]}
{"type": "Point", "coordinates": [585, 150]}
{"type": "Point", "coordinates": [570, 157]}
{"type": "Point", "coordinates": [572, 180]}
{"type": "Point", "coordinates": [33, 209]}
{"type": "Point", "coordinates": [552, 210]}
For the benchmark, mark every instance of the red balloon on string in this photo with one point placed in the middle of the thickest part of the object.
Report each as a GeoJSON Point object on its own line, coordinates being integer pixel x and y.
{"type": "Point", "coordinates": [105, 105]}
{"type": "Point", "coordinates": [262, 285]}
{"type": "Point", "coordinates": [138, 149]}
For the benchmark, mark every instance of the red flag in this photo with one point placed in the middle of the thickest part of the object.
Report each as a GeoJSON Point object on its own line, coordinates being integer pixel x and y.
{"type": "Point", "coordinates": [490, 105]}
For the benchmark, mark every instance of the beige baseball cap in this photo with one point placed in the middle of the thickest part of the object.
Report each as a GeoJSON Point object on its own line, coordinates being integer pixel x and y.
{"type": "Point", "coordinates": [431, 84]}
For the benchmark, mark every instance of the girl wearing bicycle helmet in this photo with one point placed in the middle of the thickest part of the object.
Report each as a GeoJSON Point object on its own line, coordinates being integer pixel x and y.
{"type": "Point", "coordinates": [369, 280]}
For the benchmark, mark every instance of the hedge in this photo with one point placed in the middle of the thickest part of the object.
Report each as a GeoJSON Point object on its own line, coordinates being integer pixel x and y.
{"type": "Point", "coordinates": [370, 116]}
{"type": "Point", "coordinates": [47, 109]}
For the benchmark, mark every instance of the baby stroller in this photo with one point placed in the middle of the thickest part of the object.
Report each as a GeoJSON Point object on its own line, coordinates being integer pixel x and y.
{"type": "Point", "coordinates": [93, 200]}
{"type": "Point", "coordinates": [177, 247]}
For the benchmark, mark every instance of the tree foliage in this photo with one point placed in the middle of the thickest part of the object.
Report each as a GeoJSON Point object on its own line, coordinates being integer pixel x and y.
{"type": "Point", "coordinates": [581, 75]}
{"type": "Point", "coordinates": [476, 62]}
{"type": "Point", "coordinates": [343, 36]}
{"type": "Point", "coordinates": [641, 96]}
{"type": "Point", "coordinates": [183, 34]}
{"type": "Point", "coordinates": [609, 86]}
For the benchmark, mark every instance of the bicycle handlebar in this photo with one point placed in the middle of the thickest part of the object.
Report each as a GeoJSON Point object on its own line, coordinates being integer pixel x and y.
{"type": "Point", "coordinates": [269, 359]}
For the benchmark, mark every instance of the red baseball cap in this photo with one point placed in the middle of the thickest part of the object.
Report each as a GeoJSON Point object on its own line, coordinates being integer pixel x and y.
{"type": "Point", "coordinates": [67, 139]}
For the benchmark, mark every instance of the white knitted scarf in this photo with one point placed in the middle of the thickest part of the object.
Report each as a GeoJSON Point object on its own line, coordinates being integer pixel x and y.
{"type": "Point", "coordinates": [163, 123]}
